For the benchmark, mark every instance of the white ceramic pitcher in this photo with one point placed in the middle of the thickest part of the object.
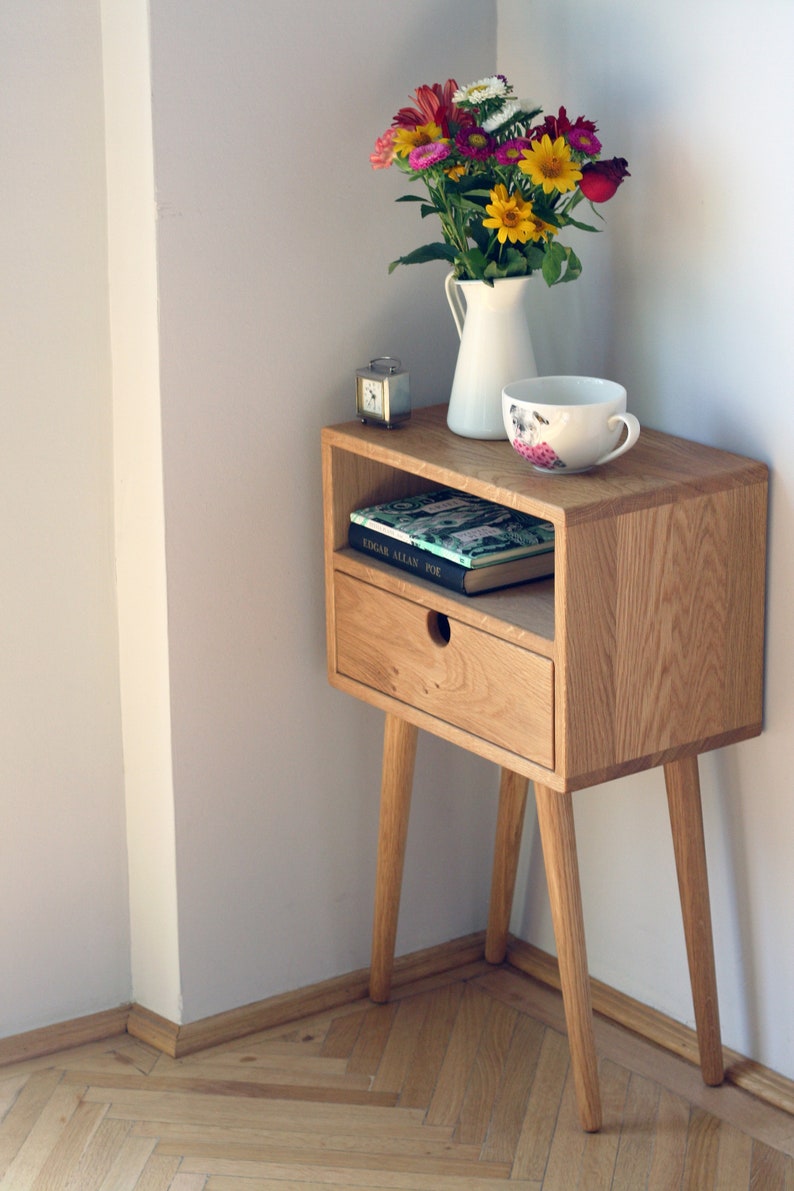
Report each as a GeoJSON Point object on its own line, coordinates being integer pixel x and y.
{"type": "Point", "coordinates": [495, 349]}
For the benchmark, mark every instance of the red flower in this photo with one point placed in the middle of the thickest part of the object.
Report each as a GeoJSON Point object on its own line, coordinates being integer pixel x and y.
{"type": "Point", "coordinates": [435, 106]}
{"type": "Point", "coordinates": [560, 125]}
{"type": "Point", "coordinates": [600, 179]}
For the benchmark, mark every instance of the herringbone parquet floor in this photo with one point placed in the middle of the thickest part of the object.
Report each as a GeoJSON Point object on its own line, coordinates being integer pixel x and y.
{"type": "Point", "coordinates": [460, 1084]}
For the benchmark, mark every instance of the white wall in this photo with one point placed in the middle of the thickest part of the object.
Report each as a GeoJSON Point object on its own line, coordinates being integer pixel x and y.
{"type": "Point", "coordinates": [686, 299]}
{"type": "Point", "coordinates": [64, 938]}
{"type": "Point", "coordinates": [273, 244]}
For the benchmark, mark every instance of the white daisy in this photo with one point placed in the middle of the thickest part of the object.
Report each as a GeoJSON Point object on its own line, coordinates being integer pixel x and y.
{"type": "Point", "coordinates": [474, 93]}
{"type": "Point", "coordinates": [505, 113]}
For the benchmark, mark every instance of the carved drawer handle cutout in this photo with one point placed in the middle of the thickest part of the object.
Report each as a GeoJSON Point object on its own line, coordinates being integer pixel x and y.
{"type": "Point", "coordinates": [438, 627]}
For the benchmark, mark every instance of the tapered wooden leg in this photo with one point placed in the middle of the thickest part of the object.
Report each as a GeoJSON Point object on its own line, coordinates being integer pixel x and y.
{"type": "Point", "coordinates": [555, 820]}
{"type": "Point", "coordinates": [399, 755]}
{"type": "Point", "coordinates": [686, 819]}
{"type": "Point", "coordinates": [509, 825]}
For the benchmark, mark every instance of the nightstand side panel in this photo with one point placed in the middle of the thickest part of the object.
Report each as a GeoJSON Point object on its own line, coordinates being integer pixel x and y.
{"type": "Point", "coordinates": [662, 652]}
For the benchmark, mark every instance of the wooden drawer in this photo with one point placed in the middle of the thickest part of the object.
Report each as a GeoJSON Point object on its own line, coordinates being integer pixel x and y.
{"type": "Point", "coordinates": [491, 688]}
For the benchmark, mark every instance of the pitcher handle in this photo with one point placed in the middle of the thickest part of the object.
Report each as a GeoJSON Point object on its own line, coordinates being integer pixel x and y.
{"type": "Point", "coordinates": [456, 303]}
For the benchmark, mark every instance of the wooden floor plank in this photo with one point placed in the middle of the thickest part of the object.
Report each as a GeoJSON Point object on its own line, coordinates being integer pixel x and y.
{"type": "Point", "coordinates": [128, 1164]}
{"type": "Point", "coordinates": [422, 1141]}
{"type": "Point", "coordinates": [487, 1074]}
{"type": "Point", "coordinates": [31, 1101]}
{"type": "Point", "coordinates": [734, 1160]}
{"type": "Point", "coordinates": [669, 1143]}
{"type": "Point", "coordinates": [420, 1079]}
{"type": "Point", "coordinates": [342, 1035]}
{"type": "Point", "coordinates": [218, 1157]}
{"type": "Point", "coordinates": [635, 1151]}
{"type": "Point", "coordinates": [400, 1048]}
{"type": "Point", "coordinates": [512, 1095]}
{"type": "Point", "coordinates": [566, 1151]}
{"type": "Point", "coordinates": [158, 1173]}
{"type": "Point", "coordinates": [702, 1148]}
{"type": "Point", "coordinates": [94, 1164]}
{"type": "Point", "coordinates": [373, 1035]}
{"type": "Point", "coordinates": [601, 1149]}
{"type": "Point", "coordinates": [30, 1158]}
{"type": "Point", "coordinates": [191, 1182]}
{"type": "Point", "coordinates": [770, 1170]}
{"type": "Point", "coordinates": [540, 1118]}
{"type": "Point", "coordinates": [56, 1171]}
{"type": "Point", "coordinates": [453, 1078]}
{"type": "Point", "coordinates": [278, 1178]}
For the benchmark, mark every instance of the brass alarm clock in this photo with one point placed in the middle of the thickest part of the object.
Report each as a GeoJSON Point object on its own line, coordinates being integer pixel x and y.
{"type": "Point", "coordinates": [383, 392]}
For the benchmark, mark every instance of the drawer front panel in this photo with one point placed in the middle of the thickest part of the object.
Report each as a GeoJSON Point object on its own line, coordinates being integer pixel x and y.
{"type": "Point", "coordinates": [492, 688]}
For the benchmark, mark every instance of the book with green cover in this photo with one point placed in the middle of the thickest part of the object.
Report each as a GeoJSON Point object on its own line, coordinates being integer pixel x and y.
{"type": "Point", "coordinates": [456, 525]}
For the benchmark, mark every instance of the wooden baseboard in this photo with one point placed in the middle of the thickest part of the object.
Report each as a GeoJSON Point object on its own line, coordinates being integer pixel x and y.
{"type": "Point", "coordinates": [63, 1036]}
{"type": "Point", "coordinates": [177, 1041]}
{"type": "Point", "coordinates": [319, 998]}
{"type": "Point", "coordinates": [653, 1026]}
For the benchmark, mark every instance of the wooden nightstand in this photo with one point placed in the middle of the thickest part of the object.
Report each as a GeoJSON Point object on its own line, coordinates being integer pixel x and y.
{"type": "Point", "coordinates": [644, 649]}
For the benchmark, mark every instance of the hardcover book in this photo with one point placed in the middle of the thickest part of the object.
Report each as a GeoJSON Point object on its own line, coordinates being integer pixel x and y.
{"type": "Point", "coordinates": [453, 575]}
{"type": "Point", "coordinates": [457, 526]}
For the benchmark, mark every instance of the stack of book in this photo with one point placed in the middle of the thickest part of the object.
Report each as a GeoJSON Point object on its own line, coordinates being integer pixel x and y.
{"type": "Point", "coordinates": [459, 541]}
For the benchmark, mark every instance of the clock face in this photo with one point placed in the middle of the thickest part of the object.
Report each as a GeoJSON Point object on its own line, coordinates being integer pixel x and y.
{"type": "Point", "coordinates": [372, 397]}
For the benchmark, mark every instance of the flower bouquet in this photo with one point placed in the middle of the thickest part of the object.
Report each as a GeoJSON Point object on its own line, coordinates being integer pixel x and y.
{"type": "Point", "coordinates": [503, 179]}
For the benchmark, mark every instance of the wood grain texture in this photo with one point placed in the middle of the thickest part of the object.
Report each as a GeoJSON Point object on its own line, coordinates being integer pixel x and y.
{"type": "Point", "coordinates": [399, 755]}
{"type": "Point", "coordinates": [654, 620]}
{"type": "Point", "coordinates": [463, 1084]}
{"type": "Point", "coordinates": [509, 829]}
{"type": "Point", "coordinates": [555, 822]}
{"type": "Point", "coordinates": [686, 819]}
{"type": "Point", "coordinates": [475, 681]}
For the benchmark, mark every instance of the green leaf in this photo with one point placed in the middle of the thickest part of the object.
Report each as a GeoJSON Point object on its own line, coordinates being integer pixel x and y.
{"type": "Point", "coordinates": [574, 266]}
{"type": "Point", "coordinates": [558, 258]}
{"type": "Point", "coordinates": [428, 252]}
{"type": "Point", "coordinates": [552, 263]}
{"type": "Point", "coordinates": [474, 264]}
{"type": "Point", "coordinates": [583, 227]}
{"type": "Point", "coordinates": [410, 198]}
{"type": "Point", "coordinates": [534, 255]}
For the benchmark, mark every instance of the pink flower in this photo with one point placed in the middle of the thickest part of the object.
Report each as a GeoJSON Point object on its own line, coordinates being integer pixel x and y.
{"type": "Point", "coordinates": [383, 156]}
{"type": "Point", "coordinates": [584, 141]}
{"type": "Point", "coordinates": [475, 142]}
{"type": "Point", "coordinates": [600, 179]}
{"type": "Point", "coordinates": [423, 156]}
{"type": "Point", "coordinates": [510, 153]}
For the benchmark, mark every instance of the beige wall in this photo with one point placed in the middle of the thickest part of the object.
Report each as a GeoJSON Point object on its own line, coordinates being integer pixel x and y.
{"type": "Point", "coordinates": [246, 245]}
{"type": "Point", "coordinates": [64, 936]}
{"type": "Point", "coordinates": [692, 314]}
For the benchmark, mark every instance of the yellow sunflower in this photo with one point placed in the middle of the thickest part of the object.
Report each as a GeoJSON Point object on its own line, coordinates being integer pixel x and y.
{"type": "Point", "coordinates": [406, 139]}
{"type": "Point", "coordinates": [548, 164]}
{"type": "Point", "coordinates": [510, 214]}
{"type": "Point", "coordinates": [539, 229]}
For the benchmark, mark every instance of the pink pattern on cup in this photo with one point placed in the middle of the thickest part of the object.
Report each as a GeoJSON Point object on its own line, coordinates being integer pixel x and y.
{"type": "Point", "coordinates": [541, 454]}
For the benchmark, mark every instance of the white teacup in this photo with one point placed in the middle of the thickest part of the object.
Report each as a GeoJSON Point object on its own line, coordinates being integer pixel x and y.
{"type": "Point", "coordinates": [565, 424]}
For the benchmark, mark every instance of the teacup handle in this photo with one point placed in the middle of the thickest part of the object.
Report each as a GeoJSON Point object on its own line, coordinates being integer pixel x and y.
{"type": "Point", "coordinates": [633, 428]}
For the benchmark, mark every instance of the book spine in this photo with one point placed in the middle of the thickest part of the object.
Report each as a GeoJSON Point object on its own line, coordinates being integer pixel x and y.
{"type": "Point", "coordinates": [408, 557]}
